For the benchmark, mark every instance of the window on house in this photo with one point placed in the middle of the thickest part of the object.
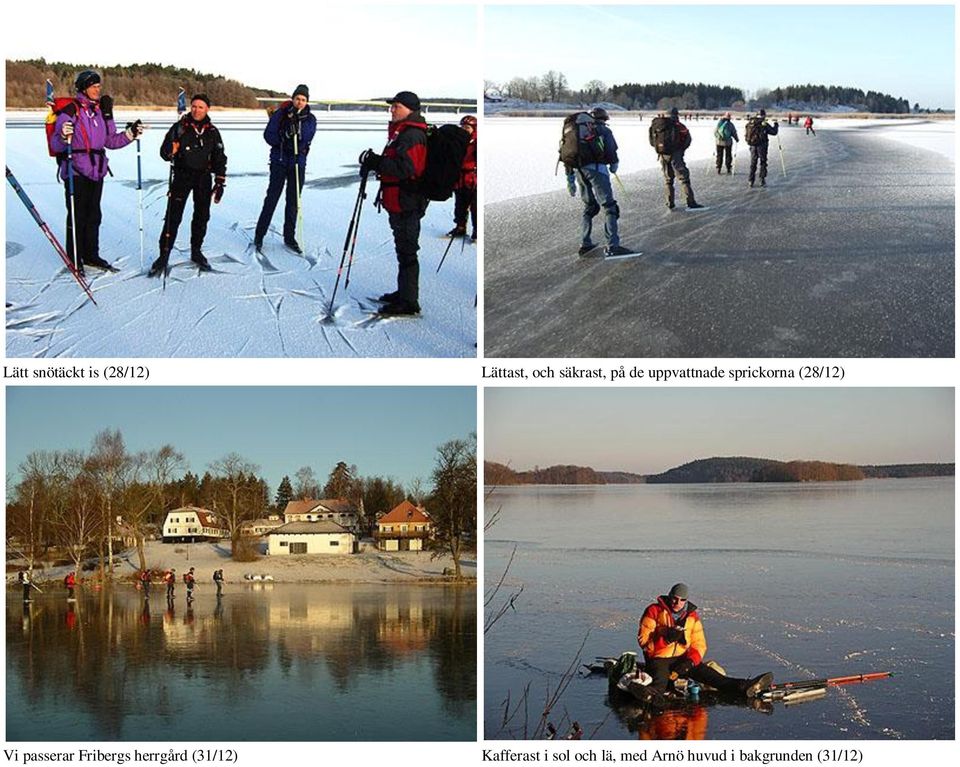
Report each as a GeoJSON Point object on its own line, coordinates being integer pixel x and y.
{"type": "Point", "coordinates": [283, 543]}
{"type": "Point", "coordinates": [334, 543]}
{"type": "Point", "coordinates": [298, 547]}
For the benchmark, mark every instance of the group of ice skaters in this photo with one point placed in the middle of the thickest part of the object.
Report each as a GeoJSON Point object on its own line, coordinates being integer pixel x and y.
{"type": "Point", "coordinates": [588, 152]}
{"type": "Point", "coordinates": [144, 581]}
{"type": "Point", "coordinates": [81, 129]}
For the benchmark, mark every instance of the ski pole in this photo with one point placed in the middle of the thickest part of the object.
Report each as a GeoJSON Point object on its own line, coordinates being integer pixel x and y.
{"type": "Point", "coordinates": [296, 173]}
{"type": "Point", "coordinates": [73, 217]}
{"type": "Point", "coordinates": [49, 234]}
{"type": "Point", "coordinates": [447, 250]}
{"type": "Point", "coordinates": [140, 202]}
{"type": "Point", "coordinates": [783, 165]}
{"type": "Point", "coordinates": [623, 189]}
{"type": "Point", "coordinates": [346, 242]}
{"type": "Point", "coordinates": [736, 145]}
{"type": "Point", "coordinates": [837, 680]}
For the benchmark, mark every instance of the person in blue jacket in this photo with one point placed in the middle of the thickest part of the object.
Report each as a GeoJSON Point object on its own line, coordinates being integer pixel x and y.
{"type": "Point", "coordinates": [289, 132]}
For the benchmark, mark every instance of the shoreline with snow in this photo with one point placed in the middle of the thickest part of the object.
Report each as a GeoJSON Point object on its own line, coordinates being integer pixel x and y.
{"type": "Point", "coordinates": [367, 566]}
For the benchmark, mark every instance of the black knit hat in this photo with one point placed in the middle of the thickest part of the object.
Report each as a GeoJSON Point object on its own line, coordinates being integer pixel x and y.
{"type": "Point", "coordinates": [301, 90]}
{"type": "Point", "coordinates": [201, 97]}
{"type": "Point", "coordinates": [408, 98]}
{"type": "Point", "coordinates": [85, 79]}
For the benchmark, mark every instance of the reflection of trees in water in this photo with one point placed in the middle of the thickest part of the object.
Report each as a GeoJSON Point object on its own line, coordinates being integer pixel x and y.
{"type": "Point", "coordinates": [113, 656]}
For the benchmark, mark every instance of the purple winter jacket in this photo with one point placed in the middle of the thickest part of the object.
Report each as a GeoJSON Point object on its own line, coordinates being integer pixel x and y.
{"type": "Point", "coordinates": [90, 126]}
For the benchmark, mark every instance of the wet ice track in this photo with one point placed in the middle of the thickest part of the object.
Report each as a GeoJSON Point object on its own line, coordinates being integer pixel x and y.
{"type": "Point", "coordinates": [850, 255]}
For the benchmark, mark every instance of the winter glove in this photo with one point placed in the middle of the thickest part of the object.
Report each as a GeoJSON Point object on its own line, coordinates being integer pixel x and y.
{"type": "Point", "coordinates": [66, 130]}
{"type": "Point", "coordinates": [106, 107]}
{"type": "Point", "coordinates": [571, 185]}
{"type": "Point", "coordinates": [369, 161]}
{"type": "Point", "coordinates": [683, 668]}
{"type": "Point", "coordinates": [614, 166]}
{"type": "Point", "coordinates": [134, 130]}
{"type": "Point", "coordinates": [674, 634]}
{"type": "Point", "coordinates": [219, 185]}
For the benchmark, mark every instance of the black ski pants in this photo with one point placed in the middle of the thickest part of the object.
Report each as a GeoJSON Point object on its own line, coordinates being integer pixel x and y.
{"type": "Point", "coordinates": [186, 182]}
{"type": "Point", "coordinates": [465, 200]}
{"type": "Point", "coordinates": [86, 204]}
{"type": "Point", "coordinates": [406, 239]}
{"type": "Point", "coordinates": [280, 176]}
{"type": "Point", "coordinates": [758, 153]}
{"type": "Point", "coordinates": [660, 669]}
{"type": "Point", "coordinates": [724, 152]}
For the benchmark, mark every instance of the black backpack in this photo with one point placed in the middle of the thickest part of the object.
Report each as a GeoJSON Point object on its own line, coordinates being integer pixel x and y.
{"type": "Point", "coordinates": [664, 135]}
{"type": "Point", "coordinates": [754, 131]}
{"type": "Point", "coordinates": [580, 142]}
{"type": "Point", "coordinates": [446, 148]}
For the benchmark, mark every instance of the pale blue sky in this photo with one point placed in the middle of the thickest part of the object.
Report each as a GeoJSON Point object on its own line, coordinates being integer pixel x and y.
{"type": "Point", "coordinates": [346, 51]}
{"type": "Point", "coordinates": [385, 431]}
{"type": "Point", "coordinates": [651, 430]}
{"type": "Point", "coordinates": [906, 51]}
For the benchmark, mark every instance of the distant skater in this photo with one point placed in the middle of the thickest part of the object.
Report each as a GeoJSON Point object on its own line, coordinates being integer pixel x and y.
{"type": "Point", "coordinates": [725, 134]}
{"type": "Point", "coordinates": [145, 583]}
{"type": "Point", "coordinates": [218, 579]}
{"type": "Point", "coordinates": [24, 578]}
{"type": "Point", "coordinates": [190, 579]}
{"type": "Point", "coordinates": [170, 578]}
{"type": "Point", "coordinates": [757, 134]}
{"type": "Point", "coordinates": [70, 581]}
{"type": "Point", "coordinates": [808, 124]}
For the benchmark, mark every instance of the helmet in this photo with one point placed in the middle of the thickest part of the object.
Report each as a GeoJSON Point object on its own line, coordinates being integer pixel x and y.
{"type": "Point", "coordinates": [86, 78]}
{"type": "Point", "coordinates": [599, 113]}
{"type": "Point", "coordinates": [469, 120]}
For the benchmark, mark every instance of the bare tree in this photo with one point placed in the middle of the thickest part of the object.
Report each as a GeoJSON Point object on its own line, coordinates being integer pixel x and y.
{"type": "Point", "coordinates": [78, 520]}
{"type": "Point", "coordinates": [106, 464]}
{"type": "Point", "coordinates": [28, 519]}
{"type": "Point", "coordinates": [454, 499]}
{"type": "Point", "coordinates": [305, 483]}
{"type": "Point", "coordinates": [238, 491]}
{"type": "Point", "coordinates": [151, 472]}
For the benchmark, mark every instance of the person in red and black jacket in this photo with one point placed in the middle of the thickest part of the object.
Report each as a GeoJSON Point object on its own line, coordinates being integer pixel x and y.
{"type": "Point", "coordinates": [403, 161]}
{"type": "Point", "coordinates": [194, 146]}
{"type": "Point", "coordinates": [674, 644]}
{"type": "Point", "coordinates": [465, 192]}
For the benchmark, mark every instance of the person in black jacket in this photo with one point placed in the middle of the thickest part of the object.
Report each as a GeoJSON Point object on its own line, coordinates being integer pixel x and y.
{"type": "Point", "coordinates": [672, 164]}
{"type": "Point", "coordinates": [758, 134]}
{"type": "Point", "coordinates": [194, 148]}
{"type": "Point", "coordinates": [403, 161]}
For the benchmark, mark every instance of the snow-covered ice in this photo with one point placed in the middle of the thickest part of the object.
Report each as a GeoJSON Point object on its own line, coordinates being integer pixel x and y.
{"type": "Point", "coordinates": [251, 306]}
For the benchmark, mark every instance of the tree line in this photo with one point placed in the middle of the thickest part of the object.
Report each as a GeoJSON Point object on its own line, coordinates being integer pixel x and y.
{"type": "Point", "coordinates": [553, 86]}
{"type": "Point", "coordinates": [82, 504]}
{"type": "Point", "coordinates": [141, 84]}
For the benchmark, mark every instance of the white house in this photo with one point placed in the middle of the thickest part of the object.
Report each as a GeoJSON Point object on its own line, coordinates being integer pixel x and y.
{"type": "Point", "coordinates": [192, 524]}
{"type": "Point", "coordinates": [323, 537]}
{"type": "Point", "coordinates": [336, 510]}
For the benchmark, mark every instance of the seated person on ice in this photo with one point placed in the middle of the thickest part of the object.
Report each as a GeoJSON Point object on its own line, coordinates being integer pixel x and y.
{"type": "Point", "coordinates": [673, 643]}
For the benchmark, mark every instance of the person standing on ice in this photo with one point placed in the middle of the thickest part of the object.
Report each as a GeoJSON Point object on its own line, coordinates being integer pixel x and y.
{"type": "Point", "coordinates": [725, 134]}
{"type": "Point", "coordinates": [403, 161]}
{"type": "Point", "coordinates": [670, 153]}
{"type": "Point", "coordinates": [289, 132]}
{"type": "Point", "coordinates": [86, 125]}
{"type": "Point", "coordinates": [757, 134]}
{"type": "Point", "coordinates": [465, 192]}
{"type": "Point", "coordinates": [592, 181]}
{"type": "Point", "coordinates": [194, 148]}
{"type": "Point", "coordinates": [808, 124]}
{"type": "Point", "coordinates": [673, 643]}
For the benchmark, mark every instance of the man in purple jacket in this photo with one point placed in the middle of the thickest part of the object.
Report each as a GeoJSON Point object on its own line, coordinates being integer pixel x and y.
{"type": "Point", "coordinates": [87, 125]}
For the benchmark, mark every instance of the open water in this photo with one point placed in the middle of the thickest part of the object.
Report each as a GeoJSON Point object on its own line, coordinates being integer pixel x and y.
{"type": "Point", "coordinates": [807, 580]}
{"type": "Point", "coordinates": [266, 663]}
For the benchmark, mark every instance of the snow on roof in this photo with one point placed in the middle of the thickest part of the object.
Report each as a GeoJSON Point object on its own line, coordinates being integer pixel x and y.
{"type": "Point", "coordinates": [323, 527]}
{"type": "Point", "coordinates": [308, 505]}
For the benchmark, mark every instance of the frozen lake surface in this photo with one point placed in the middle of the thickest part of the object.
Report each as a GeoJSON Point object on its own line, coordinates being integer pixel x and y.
{"type": "Point", "coordinates": [807, 581]}
{"type": "Point", "coordinates": [252, 306]}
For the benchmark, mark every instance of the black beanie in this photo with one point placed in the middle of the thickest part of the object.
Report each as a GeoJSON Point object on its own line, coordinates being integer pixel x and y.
{"type": "Point", "coordinates": [200, 97]}
{"type": "Point", "coordinates": [301, 90]}
{"type": "Point", "coordinates": [85, 79]}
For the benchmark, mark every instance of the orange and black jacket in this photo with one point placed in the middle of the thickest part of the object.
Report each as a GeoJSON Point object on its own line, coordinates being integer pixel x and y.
{"type": "Point", "coordinates": [658, 617]}
{"type": "Point", "coordinates": [468, 171]}
{"type": "Point", "coordinates": [404, 160]}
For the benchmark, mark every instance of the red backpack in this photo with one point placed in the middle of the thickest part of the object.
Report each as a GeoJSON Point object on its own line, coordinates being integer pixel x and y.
{"type": "Point", "coordinates": [58, 106]}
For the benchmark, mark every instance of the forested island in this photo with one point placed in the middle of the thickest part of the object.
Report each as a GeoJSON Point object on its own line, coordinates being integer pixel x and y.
{"type": "Point", "coordinates": [710, 470]}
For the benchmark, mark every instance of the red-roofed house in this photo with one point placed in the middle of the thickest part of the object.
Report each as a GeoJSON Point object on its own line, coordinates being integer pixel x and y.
{"type": "Point", "coordinates": [192, 524]}
{"type": "Point", "coordinates": [336, 510]}
{"type": "Point", "coordinates": [404, 528]}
